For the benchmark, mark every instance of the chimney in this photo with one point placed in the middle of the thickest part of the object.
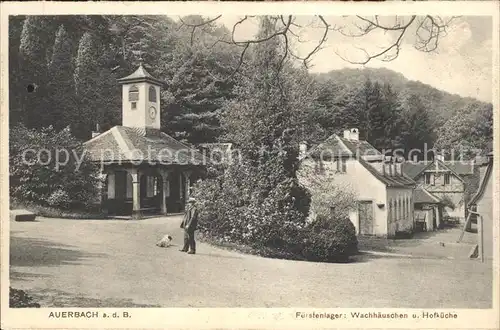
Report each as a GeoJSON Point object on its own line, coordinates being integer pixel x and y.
{"type": "Point", "coordinates": [302, 149]}
{"type": "Point", "coordinates": [351, 134]}
{"type": "Point", "coordinates": [354, 134]}
{"type": "Point", "coordinates": [415, 158]}
{"type": "Point", "coordinates": [97, 131]}
{"type": "Point", "coordinates": [398, 169]}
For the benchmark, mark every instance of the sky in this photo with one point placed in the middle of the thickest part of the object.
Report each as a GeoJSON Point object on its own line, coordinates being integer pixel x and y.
{"type": "Point", "coordinates": [462, 64]}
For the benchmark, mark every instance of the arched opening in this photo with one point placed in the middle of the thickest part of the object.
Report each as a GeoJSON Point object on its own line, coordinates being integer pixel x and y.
{"type": "Point", "coordinates": [151, 186]}
{"type": "Point", "coordinates": [152, 94]}
{"type": "Point", "coordinates": [133, 94]}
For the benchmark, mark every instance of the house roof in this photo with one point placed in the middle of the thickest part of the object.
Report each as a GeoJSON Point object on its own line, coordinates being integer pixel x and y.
{"type": "Point", "coordinates": [461, 167]}
{"type": "Point", "coordinates": [421, 195]}
{"type": "Point", "coordinates": [390, 181]}
{"type": "Point", "coordinates": [483, 184]}
{"type": "Point", "coordinates": [127, 144]}
{"type": "Point", "coordinates": [140, 75]}
{"type": "Point", "coordinates": [331, 147]}
{"type": "Point", "coordinates": [413, 169]}
{"type": "Point", "coordinates": [458, 168]}
{"type": "Point", "coordinates": [337, 147]}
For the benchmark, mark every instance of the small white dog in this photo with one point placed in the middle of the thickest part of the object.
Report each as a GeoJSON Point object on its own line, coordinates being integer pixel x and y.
{"type": "Point", "coordinates": [165, 241]}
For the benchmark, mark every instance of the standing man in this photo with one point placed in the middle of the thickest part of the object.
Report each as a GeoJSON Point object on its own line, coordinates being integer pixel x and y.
{"type": "Point", "coordinates": [189, 223]}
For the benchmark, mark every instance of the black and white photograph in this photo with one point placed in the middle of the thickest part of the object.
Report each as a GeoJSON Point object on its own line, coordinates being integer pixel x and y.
{"type": "Point", "coordinates": [244, 160]}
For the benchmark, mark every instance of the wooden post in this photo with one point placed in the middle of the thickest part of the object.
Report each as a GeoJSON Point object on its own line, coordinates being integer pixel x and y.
{"type": "Point", "coordinates": [465, 227]}
{"type": "Point", "coordinates": [480, 233]}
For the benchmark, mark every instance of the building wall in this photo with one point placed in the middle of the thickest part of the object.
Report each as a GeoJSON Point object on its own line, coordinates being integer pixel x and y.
{"type": "Point", "coordinates": [454, 191]}
{"type": "Point", "coordinates": [360, 181]}
{"type": "Point", "coordinates": [400, 210]}
{"type": "Point", "coordinates": [485, 208]}
{"type": "Point", "coordinates": [437, 183]}
{"type": "Point", "coordinates": [140, 117]}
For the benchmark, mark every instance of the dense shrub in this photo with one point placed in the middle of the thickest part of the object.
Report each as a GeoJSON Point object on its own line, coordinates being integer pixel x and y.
{"type": "Point", "coordinates": [236, 208]}
{"type": "Point", "coordinates": [330, 239]}
{"type": "Point", "coordinates": [231, 212]}
{"type": "Point", "coordinates": [34, 173]}
{"type": "Point", "coordinates": [19, 299]}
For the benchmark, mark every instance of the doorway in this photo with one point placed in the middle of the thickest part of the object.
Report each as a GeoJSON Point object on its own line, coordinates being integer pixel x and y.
{"type": "Point", "coordinates": [365, 212]}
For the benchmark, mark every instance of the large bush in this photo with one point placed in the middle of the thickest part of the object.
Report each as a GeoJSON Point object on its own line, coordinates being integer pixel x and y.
{"type": "Point", "coordinates": [234, 209]}
{"type": "Point", "coordinates": [330, 239]}
{"type": "Point", "coordinates": [19, 299]}
{"type": "Point", "coordinates": [49, 168]}
{"type": "Point", "coordinates": [231, 212]}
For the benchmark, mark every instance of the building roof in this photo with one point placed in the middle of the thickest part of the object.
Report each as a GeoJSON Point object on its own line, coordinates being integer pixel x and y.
{"type": "Point", "coordinates": [332, 147]}
{"type": "Point", "coordinates": [483, 184]}
{"type": "Point", "coordinates": [140, 75]}
{"type": "Point", "coordinates": [362, 151]}
{"type": "Point", "coordinates": [400, 180]}
{"type": "Point", "coordinates": [363, 148]}
{"type": "Point", "coordinates": [421, 195]}
{"type": "Point", "coordinates": [459, 168]}
{"type": "Point", "coordinates": [413, 169]}
{"type": "Point", "coordinates": [127, 144]}
{"type": "Point", "coordinates": [336, 146]}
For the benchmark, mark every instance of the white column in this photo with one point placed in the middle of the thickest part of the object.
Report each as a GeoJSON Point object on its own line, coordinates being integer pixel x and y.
{"type": "Point", "coordinates": [187, 175]}
{"type": "Point", "coordinates": [136, 193]}
{"type": "Point", "coordinates": [111, 185]}
{"type": "Point", "coordinates": [166, 190]}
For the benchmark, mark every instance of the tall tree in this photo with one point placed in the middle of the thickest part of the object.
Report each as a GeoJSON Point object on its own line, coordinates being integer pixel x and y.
{"type": "Point", "coordinates": [377, 117]}
{"type": "Point", "coordinates": [34, 75]}
{"type": "Point", "coordinates": [17, 90]}
{"type": "Point", "coordinates": [266, 118]}
{"type": "Point", "coordinates": [62, 83]}
{"type": "Point", "coordinates": [395, 126]}
{"type": "Point", "coordinates": [419, 126]}
{"type": "Point", "coordinates": [98, 94]}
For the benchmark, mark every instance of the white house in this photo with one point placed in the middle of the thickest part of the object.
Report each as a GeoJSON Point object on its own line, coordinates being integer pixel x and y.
{"type": "Point", "coordinates": [384, 193]}
{"type": "Point", "coordinates": [482, 203]}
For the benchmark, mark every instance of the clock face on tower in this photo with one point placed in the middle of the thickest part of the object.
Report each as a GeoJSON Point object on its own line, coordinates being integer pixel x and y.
{"type": "Point", "coordinates": [152, 112]}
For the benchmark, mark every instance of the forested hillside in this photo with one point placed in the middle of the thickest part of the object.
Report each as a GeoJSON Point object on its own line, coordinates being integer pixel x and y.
{"type": "Point", "coordinates": [423, 113]}
{"type": "Point", "coordinates": [63, 72]}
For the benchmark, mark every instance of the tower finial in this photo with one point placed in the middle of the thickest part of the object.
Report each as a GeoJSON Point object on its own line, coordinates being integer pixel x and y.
{"type": "Point", "coordinates": [141, 60]}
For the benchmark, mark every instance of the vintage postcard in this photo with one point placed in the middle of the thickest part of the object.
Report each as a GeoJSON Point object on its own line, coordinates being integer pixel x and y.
{"type": "Point", "coordinates": [249, 165]}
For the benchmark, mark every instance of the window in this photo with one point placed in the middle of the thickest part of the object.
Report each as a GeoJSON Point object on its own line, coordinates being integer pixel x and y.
{"type": "Point", "coordinates": [152, 94]}
{"type": "Point", "coordinates": [447, 178]}
{"type": "Point", "coordinates": [341, 165]}
{"type": "Point", "coordinates": [133, 94]}
{"type": "Point", "coordinates": [427, 178]}
{"type": "Point", "coordinates": [319, 167]}
{"type": "Point", "coordinates": [134, 105]}
{"type": "Point", "coordinates": [389, 215]}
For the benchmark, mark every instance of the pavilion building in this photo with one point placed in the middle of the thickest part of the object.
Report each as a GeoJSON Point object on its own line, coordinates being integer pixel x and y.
{"type": "Point", "coordinates": [144, 170]}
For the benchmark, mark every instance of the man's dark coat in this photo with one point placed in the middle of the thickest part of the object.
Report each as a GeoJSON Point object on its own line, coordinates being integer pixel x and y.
{"type": "Point", "coordinates": [190, 221]}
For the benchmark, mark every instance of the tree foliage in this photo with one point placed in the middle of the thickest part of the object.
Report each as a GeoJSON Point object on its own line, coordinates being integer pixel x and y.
{"type": "Point", "coordinates": [49, 168]}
